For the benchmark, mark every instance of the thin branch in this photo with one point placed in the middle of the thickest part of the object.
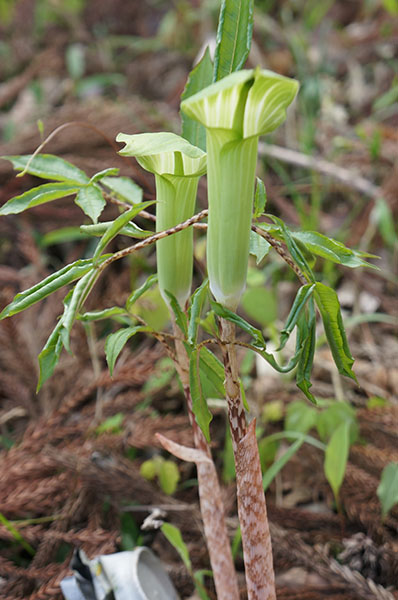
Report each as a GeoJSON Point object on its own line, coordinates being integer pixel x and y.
{"type": "Point", "coordinates": [321, 165]}
{"type": "Point", "coordinates": [281, 251]}
{"type": "Point", "coordinates": [113, 200]}
{"type": "Point", "coordinates": [143, 213]}
{"type": "Point", "coordinates": [195, 221]}
{"type": "Point", "coordinates": [152, 239]}
{"type": "Point", "coordinates": [61, 128]}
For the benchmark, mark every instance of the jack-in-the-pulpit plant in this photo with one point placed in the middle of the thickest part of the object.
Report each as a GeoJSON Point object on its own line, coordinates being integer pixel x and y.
{"type": "Point", "coordinates": [177, 166]}
{"type": "Point", "coordinates": [235, 112]}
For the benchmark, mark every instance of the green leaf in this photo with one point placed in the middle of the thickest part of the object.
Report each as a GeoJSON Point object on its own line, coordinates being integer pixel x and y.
{"type": "Point", "coordinates": [267, 451]}
{"type": "Point", "coordinates": [62, 236]}
{"type": "Point", "coordinates": [234, 37]}
{"type": "Point", "coordinates": [300, 416]}
{"type": "Point", "coordinates": [200, 77]}
{"type": "Point", "coordinates": [125, 188]}
{"type": "Point", "coordinates": [169, 476]}
{"type": "Point", "coordinates": [211, 374]}
{"type": "Point", "coordinates": [49, 356]}
{"type": "Point", "coordinates": [99, 229]}
{"type": "Point", "coordinates": [173, 535]}
{"type": "Point", "coordinates": [260, 199]}
{"type": "Point", "coordinates": [44, 288]}
{"type": "Point", "coordinates": [117, 225]}
{"type": "Point", "coordinates": [294, 249]}
{"type": "Point", "coordinates": [48, 166]}
{"type": "Point", "coordinates": [16, 535]}
{"type": "Point", "coordinates": [200, 409]}
{"type": "Point", "coordinates": [75, 300]}
{"type": "Point", "coordinates": [198, 579]}
{"type": "Point", "coordinates": [130, 532]}
{"type": "Point", "coordinates": [112, 424]}
{"type": "Point", "coordinates": [225, 313]}
{"type": "Point", "coordinates": [38, 195]}
{"type": "Point", "coordinates": [91, 201]}
{"type": "Point", "coordinates": [198, 298]}
{"type": "Point", "coordinates": [259, 343]}
{"type": "Point", "coordinates": [304, 367]}
{"type": "Point", "coordinates": [99, 315]}
{"type": "Point", "coordinates": [259, 247]}
{"type": "Point", "coordinates": [388, 488]}
{"type": "Point", "coordinates": [329, 307]}
{"type": "Point", "coordinates": [116, 341]}
{"type": "Point", "coordinates": [302, 296]}
{"type": "Point", "coordinates": [332, 417]}
{"type": "Point", "coordinates": [332, 250]}
{"type": "Point", "coordinates": [112, 172]}
{"type": "Point", "coordinates": [136, 294]}
{"type": "Point", "coordinates": [336, 456]}
{"type": "Point", "coordinates": [292, 435]}
{"type": "Point", "coordinates": [179, 315]}
{"type": "Point", "coordinates": [278, 465]}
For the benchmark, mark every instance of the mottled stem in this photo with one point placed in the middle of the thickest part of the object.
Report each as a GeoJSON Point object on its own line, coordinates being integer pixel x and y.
{"type": "Point", "coordinates": [252, 510]}
{"type": "Point", "coordinates": [211, 504]}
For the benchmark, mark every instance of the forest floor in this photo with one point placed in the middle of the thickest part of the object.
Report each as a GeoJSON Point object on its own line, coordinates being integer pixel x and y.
{"type": "Point", "coordinates": [67, 483]}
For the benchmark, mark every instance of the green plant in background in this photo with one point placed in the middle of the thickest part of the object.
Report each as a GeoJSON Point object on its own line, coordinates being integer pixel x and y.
{"type": "Point", "coordinates": [166, 472]}
{"type": "Point", "coordinates": [173, 535]}
{"type": "Point", "coordinates": [388, 488]}
{"type": "Point", "coordinates": [232, 112]}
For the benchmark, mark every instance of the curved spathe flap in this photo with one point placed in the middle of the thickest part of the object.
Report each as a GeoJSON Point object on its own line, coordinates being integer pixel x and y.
{"type": "Point", "coordinates": [164, 153]}
{"type": "Point", "coordinates": [250, 102]}
{"type": "Point", "coordinates": [267, 101]}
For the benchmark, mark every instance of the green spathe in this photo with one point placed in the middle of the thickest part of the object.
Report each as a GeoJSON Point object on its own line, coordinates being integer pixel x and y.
{"type": "Point", "coordinates": [164, 153]}
{"type": "Point", "coordinates": [235, 111]}
{"type": "Point", "coordinates": [250, 102]}
{"type": "Point", "coordinates": [177, 166]}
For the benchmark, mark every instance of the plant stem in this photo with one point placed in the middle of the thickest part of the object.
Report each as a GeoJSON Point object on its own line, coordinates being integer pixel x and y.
{"type": "Point", "coordinates": [211, 504]}
{"type": "Point", "coordinates": [252, 509]}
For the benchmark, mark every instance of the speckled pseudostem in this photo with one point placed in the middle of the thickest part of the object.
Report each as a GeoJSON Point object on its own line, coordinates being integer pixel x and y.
{"type": "Point", "coordinates": [253, 519]}
{"type": "Point", "coordinates": [212, 510]}
{"type": "Point", "coordinates": [256, 541]}
{"type": "Point", "coordinates": [211, 504]}
{"type": "Point", "coordinates": [236, 411]}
